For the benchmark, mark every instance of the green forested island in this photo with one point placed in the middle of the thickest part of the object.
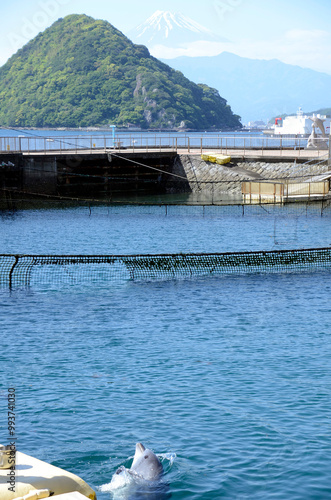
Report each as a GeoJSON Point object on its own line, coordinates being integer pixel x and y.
{"type": "Point", "coordinates": [83, 72]}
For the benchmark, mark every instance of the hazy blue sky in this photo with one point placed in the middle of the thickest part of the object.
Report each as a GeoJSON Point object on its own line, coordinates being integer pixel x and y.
{"type": "Point", "coordinates": [294, 31]}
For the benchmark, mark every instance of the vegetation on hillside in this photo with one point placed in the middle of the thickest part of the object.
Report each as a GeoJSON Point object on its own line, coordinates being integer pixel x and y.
{"type": "Point", "coordinates": [323, 111]}
{"type": "Point", "coordinates": [84, 72]}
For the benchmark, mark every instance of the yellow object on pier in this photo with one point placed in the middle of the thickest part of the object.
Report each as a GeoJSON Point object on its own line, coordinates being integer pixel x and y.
{"type": "Point", "coordinates": [220, 159]}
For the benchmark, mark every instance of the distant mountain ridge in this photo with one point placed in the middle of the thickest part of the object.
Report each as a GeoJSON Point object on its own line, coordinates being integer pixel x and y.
{"type": "Point", "coordinates": [258, 89]}
{"type": "Point", "coordinates": [84, 72]}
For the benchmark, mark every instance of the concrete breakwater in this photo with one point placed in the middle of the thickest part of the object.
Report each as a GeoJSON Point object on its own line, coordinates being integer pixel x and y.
{"type": "Point", "coordinates": [110, 174]}
{"type": "Point", "coordinates": [206, 176]}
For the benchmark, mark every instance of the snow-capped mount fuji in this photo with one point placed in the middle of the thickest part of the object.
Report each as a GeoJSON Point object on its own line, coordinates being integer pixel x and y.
{"type": "Point", "coordinates": [171, 29]}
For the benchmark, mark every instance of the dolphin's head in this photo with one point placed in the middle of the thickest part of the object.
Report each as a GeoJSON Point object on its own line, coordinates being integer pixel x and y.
{"type": "Point", "coordinates": [140, 448]}
{"type": "Point", "coordinates": [146, 464]}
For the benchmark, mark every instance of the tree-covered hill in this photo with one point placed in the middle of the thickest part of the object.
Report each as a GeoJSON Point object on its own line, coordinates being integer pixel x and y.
{"type": "Point", "coordinates": [84, 72]}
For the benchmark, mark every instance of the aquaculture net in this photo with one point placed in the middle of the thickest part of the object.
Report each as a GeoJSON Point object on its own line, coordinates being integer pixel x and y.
{"type": "Point", "coordinates": [26, 270]}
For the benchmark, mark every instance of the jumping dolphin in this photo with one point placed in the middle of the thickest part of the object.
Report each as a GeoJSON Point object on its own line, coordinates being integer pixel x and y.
{"type": "Point", "coordinates": [146, 464]}
{"type": "Point", "coordinates": [142, 480]}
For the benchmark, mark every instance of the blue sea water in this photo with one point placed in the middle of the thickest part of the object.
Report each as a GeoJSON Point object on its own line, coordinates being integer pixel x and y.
{"type": "Point", "coordinates": [227, 378]}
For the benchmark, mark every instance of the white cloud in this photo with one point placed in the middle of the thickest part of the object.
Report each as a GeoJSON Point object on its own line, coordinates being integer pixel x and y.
{"type": "Point", "coordinates": [194, 49]}
{"type": "Point", "coordinates": [306, 48]}
{"type": "Point", "coordinates": [310, 35]}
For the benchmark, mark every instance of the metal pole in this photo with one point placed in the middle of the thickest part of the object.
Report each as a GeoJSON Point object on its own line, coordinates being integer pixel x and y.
{"type": "Point", "coordinates": [329, 160]}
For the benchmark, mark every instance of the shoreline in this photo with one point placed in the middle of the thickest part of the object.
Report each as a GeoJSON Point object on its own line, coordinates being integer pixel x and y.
{"type": "Point", "coordinates": [126, 130]}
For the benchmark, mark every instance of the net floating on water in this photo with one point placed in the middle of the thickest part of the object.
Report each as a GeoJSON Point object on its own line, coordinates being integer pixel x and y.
{"type": "Point", "coordinates": [25, 270]}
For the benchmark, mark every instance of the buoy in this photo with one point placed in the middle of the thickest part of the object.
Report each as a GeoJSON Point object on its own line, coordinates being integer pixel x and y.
{"type": "Point", "coordinates": [216, 158]}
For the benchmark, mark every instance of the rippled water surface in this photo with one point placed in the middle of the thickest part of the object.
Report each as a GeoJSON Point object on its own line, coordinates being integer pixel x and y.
{"type": "Point", "coordinates": [230, 376]}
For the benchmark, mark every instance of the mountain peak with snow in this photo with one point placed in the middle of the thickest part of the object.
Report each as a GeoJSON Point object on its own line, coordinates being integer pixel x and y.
{"type": "Point", "coordinates": [171, 29]}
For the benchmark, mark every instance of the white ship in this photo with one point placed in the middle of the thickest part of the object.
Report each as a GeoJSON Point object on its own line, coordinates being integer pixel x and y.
{"type": "Point", "coordinates": [301, 125]}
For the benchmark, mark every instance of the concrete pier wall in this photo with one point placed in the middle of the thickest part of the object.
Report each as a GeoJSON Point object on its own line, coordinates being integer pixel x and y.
{"type": "Point", "coordinates": [39, 175]}
{"type": "Point", "coordinates": [97, 175]}
{"type": "Point", "coordinates": [109, 174]}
